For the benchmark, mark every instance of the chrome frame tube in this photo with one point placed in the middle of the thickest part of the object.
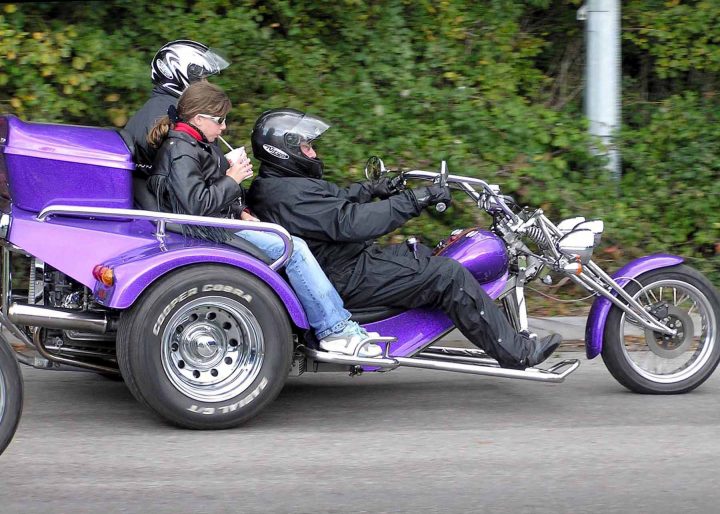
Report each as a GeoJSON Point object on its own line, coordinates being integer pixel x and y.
{"type": "Point", "coordinates": [597, 277]}
{"type": "Point", "coordinates": [6, 286]}
{"type": "Point", "coordinates": [161, 218]}
{"type": "Point", "coordinates": [39, 345]}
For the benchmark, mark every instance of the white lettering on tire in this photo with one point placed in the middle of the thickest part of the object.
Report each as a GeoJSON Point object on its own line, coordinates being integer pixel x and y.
{"type": "Point", "coordinates": [216, 288]}
{"type": "Point", "coordinates": [233, 406]}
{"type": "Point", "coordinates": [169, 307]}
{"type": "Point", "coordinates": [222, 288]}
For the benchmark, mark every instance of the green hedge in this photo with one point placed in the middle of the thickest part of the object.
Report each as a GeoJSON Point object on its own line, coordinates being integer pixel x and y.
{"type": "Point", "coordinates": [495, 87]}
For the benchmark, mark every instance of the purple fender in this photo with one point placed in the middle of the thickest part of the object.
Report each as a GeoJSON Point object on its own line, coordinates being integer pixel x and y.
{"type": "Point", "coordinates": [595, 326]}
{"type": "Point", "coordinates": [137, 270]}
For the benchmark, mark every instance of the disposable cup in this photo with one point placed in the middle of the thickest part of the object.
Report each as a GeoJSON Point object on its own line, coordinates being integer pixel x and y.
{"type": "Point", "coordinates": [235, 155]}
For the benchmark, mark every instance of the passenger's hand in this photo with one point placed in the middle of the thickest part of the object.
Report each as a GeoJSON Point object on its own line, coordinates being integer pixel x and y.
{"type": "Point", "coordinates": [246, 216]}
{"type": "Point", "coordinates": [240, 170]}
{"type": "Point", "coordinates": [432, 195]}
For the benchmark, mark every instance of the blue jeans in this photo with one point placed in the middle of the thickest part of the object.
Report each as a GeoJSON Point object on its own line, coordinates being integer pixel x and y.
{"type": "Point", "coordinates": [323, 306]}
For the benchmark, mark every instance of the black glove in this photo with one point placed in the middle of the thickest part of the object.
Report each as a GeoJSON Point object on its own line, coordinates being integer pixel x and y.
{"type": "Point", "coordinates": [432, 195]}
{"type": "Point", "coordinates": [387, 187]}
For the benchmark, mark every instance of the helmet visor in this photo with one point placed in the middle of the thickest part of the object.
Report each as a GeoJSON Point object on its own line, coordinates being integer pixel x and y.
{"type": "Point", "coordinates": [309, 128]}
{"type": "Point", "coordinates": [216, 62]}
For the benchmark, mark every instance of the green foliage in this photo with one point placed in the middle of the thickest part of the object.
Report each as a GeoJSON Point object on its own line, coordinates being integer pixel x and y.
{"type": "Point", "coordinates": [495, 87]}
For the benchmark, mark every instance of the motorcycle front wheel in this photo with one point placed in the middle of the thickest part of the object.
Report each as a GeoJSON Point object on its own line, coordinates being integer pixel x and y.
{"type": "Point", "coordinates": [648, 362]}
{"type": "Point", "coordinates": [11, 394]}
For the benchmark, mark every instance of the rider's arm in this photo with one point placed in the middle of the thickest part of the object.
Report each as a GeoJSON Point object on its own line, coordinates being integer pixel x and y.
{"type": "Point", "coordinates": [360, 192]}
{"type": "Point", "coordinates": [321, 215]}
{"type": "Point", "coordinates": [187, 185]}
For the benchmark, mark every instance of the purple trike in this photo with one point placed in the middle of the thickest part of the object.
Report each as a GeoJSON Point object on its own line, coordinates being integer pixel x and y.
{"type": "Point", "coordinates": [206, 335]}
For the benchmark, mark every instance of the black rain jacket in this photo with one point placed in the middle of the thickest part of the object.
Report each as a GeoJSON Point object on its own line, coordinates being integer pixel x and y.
{"type": "Point", "coordinates": [338, 224]}
{"type": "Point", "coordinates": [142, 121]}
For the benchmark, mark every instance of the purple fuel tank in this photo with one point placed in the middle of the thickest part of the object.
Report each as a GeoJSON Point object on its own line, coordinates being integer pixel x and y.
{"type": "Point", "coordinates": [480, 251]}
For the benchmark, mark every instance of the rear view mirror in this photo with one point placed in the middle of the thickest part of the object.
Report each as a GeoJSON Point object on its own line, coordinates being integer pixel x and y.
{"type": "Point", "coordinates": [375, 168]}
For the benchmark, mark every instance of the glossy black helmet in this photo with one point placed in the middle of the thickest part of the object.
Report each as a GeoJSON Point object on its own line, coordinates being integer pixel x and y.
{"type": "Point", "coordinates": [179, 63]}
{"type": "Point", "coordinates": [277, 136]}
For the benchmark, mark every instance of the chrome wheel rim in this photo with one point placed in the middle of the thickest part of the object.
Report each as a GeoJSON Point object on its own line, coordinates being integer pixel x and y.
{"type": "Point", "coordinates": [212, 349]}
{"type": "Point", "coordinates": [666, 359]}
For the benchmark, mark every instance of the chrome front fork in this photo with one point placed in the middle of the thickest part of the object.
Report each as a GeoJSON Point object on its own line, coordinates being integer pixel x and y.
{"type": "Point", "coordinates": [595, 278]}
{"type": "Point", "coordinates": [513, 298]}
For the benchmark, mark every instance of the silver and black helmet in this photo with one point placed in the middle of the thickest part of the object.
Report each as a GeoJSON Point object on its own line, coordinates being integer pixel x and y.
{"type": "Point", "coordinates": [180, 63]}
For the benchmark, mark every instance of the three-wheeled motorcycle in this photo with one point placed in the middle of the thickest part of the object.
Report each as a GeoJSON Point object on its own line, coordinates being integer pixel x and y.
{"type": "Point", "coordinates": [206, 335]}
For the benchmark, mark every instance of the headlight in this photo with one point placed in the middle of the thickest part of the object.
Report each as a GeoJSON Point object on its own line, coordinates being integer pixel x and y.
{"type": "Point", "coordinates": [595, 226]}
{"type": "Point", "coordinates": [567, 225]}
{"type": "Point", "coordinates": [577, 243]}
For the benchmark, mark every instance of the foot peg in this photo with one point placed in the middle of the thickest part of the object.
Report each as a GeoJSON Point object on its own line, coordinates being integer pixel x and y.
{"type": "Point", "coordinates": [380, 340]}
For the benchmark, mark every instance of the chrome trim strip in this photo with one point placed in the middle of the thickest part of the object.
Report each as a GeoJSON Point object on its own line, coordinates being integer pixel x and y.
{"type": "Point", "coordinates": [166, 217]}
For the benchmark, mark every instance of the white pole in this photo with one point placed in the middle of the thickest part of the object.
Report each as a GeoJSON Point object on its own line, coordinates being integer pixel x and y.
{"type": "Point", "coordinates": [602, 74]}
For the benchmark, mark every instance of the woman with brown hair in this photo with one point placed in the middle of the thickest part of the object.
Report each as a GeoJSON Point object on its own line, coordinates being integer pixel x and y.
{"type": "Point", "coordinates": [191, 176]}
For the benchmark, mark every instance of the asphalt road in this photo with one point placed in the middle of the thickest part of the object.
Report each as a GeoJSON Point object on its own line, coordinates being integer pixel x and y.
{"type": "Point", "coordinates": [406, 441]}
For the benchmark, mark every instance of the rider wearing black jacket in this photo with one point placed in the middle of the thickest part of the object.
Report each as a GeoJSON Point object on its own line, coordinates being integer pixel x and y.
{"type": "Point", "coordinates": [339, 225]}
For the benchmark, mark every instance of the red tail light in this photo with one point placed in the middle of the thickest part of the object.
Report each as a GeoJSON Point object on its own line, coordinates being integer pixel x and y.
{"type": "Point", "coordinates": [104, 274]}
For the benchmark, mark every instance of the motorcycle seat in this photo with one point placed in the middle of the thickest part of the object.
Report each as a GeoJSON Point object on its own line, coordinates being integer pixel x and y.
{"type": "Point", "coordinates": [372, 314]}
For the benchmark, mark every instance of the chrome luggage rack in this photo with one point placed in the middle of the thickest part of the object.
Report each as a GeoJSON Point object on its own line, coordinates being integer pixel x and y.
{"type": "Point", "coordinates": [163, 218]}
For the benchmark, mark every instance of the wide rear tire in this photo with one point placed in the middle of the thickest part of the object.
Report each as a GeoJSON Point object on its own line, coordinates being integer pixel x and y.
{"type": "Point", "coordinates": [11, 394]}
{"type": "Point", "coordinates": [207, 347]}
{"type": "Point", "coordinates": [646, 362]}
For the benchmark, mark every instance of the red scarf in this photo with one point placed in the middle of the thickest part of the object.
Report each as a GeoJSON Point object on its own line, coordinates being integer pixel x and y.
{"type": "Point", "coordinates": [181, 126]}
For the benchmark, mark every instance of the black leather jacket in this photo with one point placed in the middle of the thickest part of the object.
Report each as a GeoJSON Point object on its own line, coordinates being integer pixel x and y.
{"type": "Point", "coordinates": [189, 178]}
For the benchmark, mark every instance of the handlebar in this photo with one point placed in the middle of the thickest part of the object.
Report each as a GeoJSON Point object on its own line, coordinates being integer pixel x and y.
{"type": "Point", "coordinates": [441, 206]}
{"type": "Point", "coordinates": [465, 184]}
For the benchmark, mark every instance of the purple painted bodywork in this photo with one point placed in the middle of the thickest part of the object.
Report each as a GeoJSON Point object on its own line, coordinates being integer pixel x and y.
{"type": "Point", "coordinates": [595, 325]}
{"type": "Point", "coordinates": [485, 256]}
{"type": "Point", "coordinates": [135, 270]}
{"type": "Point", "coordinates": [66, 165]}
{"type": "Point", "coordinates": [481, 252]}
{"type": "Point", "coordinates": [76, 245]}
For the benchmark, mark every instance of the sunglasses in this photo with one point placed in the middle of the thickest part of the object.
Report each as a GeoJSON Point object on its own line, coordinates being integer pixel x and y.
{"type": "Point", "coordinates": [217, 119]}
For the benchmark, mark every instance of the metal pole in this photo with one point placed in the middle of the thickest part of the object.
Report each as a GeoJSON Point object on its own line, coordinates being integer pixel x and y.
{"type": "Point", "coordinates": [602, 75]}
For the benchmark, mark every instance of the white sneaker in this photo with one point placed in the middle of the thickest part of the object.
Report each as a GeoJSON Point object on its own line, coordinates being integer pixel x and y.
{"type": "Point", "coordinates": [348, 341]}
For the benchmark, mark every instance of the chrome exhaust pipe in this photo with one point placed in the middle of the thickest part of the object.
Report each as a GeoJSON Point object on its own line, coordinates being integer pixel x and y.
{"type": "Point", "coordinates": [473, 365]}
{"type": "Point", "coordinates": [56, 317]}
{"type": "Point", "coordinates": [555, 374]}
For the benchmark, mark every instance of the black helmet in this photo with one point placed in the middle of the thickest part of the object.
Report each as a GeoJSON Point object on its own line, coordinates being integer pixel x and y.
{"type": "Point", "coordinates": [277, 136]}
{"type": "Point", "coordinates": [179, 63]}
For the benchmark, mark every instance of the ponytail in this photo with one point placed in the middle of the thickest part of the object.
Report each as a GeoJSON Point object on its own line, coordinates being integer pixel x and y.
{"type": "Point", "coordinates": [159, 132]}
